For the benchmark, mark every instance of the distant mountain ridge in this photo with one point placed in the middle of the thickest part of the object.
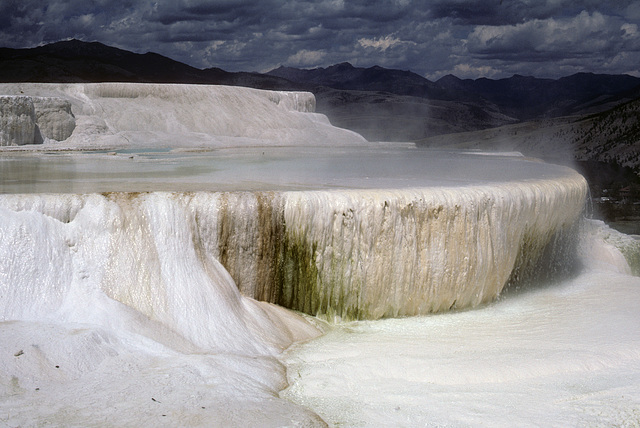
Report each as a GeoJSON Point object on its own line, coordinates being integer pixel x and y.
{"type": "Point", "coordinates": [529, 97]}
{"type": "Point", "coordinates": [75, 61]}
{"type": "Point", "coordinates": [400, 105]}
{"type": "Point", "coordinates": [379, 103]}
{"type": "Point", "coordinates": [78, 61]}
{"type": "Point", "coordinates": [522, 97]}
{"type": "Point", "coordinates": [592, 118]}
{"type": "Point", "coordinates": [345, 76]}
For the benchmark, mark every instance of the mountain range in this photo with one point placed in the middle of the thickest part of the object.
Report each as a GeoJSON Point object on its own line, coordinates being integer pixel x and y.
{"type": "Point", "coordinates": [385, 104]}
{"type": "Point", "coordinates": [447, 105]}
{"type": "Point", "coordinates": [521, 97]}
{"type": "Point", "coordinates": [75, 61]}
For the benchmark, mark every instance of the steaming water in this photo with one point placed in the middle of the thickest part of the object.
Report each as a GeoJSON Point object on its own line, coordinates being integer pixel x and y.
{"type": "Point", "coordinates": [120, 308]}
{"type": "Point", "coordinates": [260, 168]}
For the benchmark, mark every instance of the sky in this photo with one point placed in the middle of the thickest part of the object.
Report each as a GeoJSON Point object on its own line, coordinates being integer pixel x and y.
{"type": "Point", "coordinates": [470, 39]}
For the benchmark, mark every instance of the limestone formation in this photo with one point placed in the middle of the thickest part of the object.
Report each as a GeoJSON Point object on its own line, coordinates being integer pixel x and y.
{"type": "Point", "coordinates": [30, 120]}
{"type": "Point", "coordinates": [17, 120]}
{"type": "Point", "coordinates": [54, 118]}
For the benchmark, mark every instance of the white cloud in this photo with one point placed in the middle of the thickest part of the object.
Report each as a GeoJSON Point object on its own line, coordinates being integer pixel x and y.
{"type": "Point", "coordinates": [306, 58]}
{"type": "Point", "coordinates": [383, 43]}
{"type": "Point", "coordinates": [582, 33]}
{"type": "Point", "coordinates": [87, 19]}
{"type": "Point", "coordinates": [214, 45]}
{"type": "Point", "coordinates": [629, 31]}
{"type": "Point", "coordinates": [468, 71]}
{"type": "Point", "coordinates": [626, 62]}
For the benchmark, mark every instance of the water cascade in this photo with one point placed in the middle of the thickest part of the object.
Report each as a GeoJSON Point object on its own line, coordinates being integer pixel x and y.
{"type": "Point", "coordinates": [354, 254]}
{"type": "Point", "coordinates": [387, 253]}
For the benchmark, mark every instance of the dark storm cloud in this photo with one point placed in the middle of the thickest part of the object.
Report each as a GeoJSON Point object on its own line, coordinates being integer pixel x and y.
{"type": "Point", "coordinates": [585, 33]}
{"type": "Point", "coordinates": [470, 12]}
{"type": "Point", "coordinates": [171, 12]}
{"type": "Point", "coordinates": [469, 38]}
{"type": "Point", "coordinates": [505, 12]}
{"type": "Point", "coordinates": [600, 42]}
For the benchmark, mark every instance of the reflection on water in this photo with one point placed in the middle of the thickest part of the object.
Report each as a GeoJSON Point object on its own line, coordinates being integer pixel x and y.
{"type": "Point", "coordinates": [27, 174]}
{"type": "Point", "coordinates": [258, 168]}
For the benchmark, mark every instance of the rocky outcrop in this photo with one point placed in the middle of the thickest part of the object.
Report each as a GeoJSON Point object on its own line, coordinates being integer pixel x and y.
{"type": "Point", "coordinates": [17, 121]}
{"type": "Point", "coordinates": [54, 118]}
{"type": "Point", "coordinates": [31, 120]}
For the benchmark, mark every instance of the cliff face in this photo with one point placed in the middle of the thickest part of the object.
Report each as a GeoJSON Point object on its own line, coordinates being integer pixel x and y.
{"type": "Point", "coordinates": [30, 120]}
{"type": "Point", "coordinates": [352, 254]}
{"type": "Point", "coordinates": [17, 121]}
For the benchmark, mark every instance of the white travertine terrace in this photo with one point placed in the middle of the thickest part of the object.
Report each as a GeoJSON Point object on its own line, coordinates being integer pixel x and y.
{"type": "Point", "coordinates": [54, 118]}
{"type": "Point", "coordinates": [350, 253]}
{"type": "Point", "coordinates": [387, 253]}
{"type": "Point", "coordinates": [29, 120]}
{"type": "Point", "coordinates": [170, 115]}
{"type": "Point", "coordinates": [138, 282]}
{"type": "Point", "coordinates": [369, 233]}
{"type": "Point", "coordinates": [17, 121]}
